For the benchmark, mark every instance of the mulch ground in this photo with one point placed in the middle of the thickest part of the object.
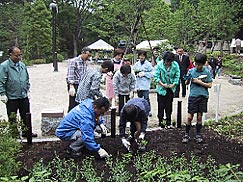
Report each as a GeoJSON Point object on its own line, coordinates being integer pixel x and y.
{"type": "Point", "coordinates": [163, 142]}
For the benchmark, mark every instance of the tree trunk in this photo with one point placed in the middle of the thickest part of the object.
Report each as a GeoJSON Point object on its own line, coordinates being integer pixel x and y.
{"type": "Point", "coordinates": [75, 52]}
{"type": "Point", "coordinates": [221, 43]}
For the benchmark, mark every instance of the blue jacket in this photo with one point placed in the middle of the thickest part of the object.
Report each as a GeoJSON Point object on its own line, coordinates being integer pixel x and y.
{"type": "Point", "coordinates": [82, 118]}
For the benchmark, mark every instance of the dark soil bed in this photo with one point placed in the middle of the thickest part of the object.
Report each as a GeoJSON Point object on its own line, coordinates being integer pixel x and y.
{"type": "Point", "coordinates": [163, 142]}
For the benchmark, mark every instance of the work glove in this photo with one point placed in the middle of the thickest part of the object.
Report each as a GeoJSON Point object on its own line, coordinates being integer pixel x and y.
{"type": "Point", "coordinates": [141, 74]}
{"type": "Point", "coordinates": [141, 142]}
{"type": "Point", "coordinates": [102, 153]}
{"type": "Point", "coordinates": [126, 143]}
{"type": "Point", "coordinates": [72, 91]}
{"type": "Point", "coordinates": [28, 94]}
{"type": "Point", "coordinates": [117, 100]}
{"type": "Point", "coordinates": [104, 129]}
{"type": "Point", "coordinates": [131, 95]}
{"type": "Point", "coordinates": [4, 99]}
{"type": "Point", "coordinates": [110, 74]}
{"type": "Point", "coordinates": [141, 136]}
{"type": "Point", "coordinates": [97, 135]}
{"type": "Point", "coordinates": [128, 124]}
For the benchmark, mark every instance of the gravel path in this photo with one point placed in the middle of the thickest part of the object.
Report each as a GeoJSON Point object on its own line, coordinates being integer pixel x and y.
{"type": "Point", "coordinates": [48, 91]}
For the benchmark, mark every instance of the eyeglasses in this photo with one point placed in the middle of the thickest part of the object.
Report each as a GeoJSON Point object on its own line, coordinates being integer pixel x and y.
{"type": "Point", "coordinates": [19, 55]}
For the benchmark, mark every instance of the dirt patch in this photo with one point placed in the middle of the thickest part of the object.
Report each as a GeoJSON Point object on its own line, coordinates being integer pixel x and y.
{"type": "Point", "coordinates": [163, 142]}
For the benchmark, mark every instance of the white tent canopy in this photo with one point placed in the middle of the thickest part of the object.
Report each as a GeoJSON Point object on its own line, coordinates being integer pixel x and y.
{"type": "Point", "coordinates": [101, 45]}
{"type": "Point", "coordinates": [144, 45]}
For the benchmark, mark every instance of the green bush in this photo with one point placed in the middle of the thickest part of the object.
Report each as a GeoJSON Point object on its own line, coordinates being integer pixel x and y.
{"type": "Point", "coordinates": [49, 59]}
{"type": "Point", "coordinates": [9, 148]}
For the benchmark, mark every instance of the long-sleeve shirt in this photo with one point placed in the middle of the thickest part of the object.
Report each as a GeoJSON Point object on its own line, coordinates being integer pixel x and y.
{"type": "Point", "coordinates": [143, 109]}
{"type": "Point", "coordinates": [82, 118]}
{"type": "Point", "coordinates": [76, 70]}
{"type": "Point", "coordinates": [123, 85]}
{"type": "Point", "coordinates": [89, 85]}
{"type": "Point", "coordinates": [14, 80]}
{"type": "Point", "coordinates": [166, 76]}
{"type": "Point", "coordinates": [143, 83]}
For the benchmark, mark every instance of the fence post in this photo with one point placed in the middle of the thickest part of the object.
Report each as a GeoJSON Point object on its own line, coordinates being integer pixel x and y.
{"type": "Point", "coordinates": [113, 122]}
{"type": "Point", "coordinates": [179, 114]}
{"type": "Point", "coordinates": [29, 128]}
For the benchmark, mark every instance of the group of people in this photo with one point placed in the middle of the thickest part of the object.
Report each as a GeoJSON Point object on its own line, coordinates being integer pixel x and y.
{"type": "Point", "coordinates": [87, 104]}
{"type": "Point", "coordinates": [121, 83]}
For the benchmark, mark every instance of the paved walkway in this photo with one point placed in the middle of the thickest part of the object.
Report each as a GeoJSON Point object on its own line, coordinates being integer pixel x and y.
{"type": "Point", "coordinates": [48, 91]}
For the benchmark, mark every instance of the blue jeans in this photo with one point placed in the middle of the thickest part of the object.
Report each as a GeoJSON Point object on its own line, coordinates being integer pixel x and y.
{"type": "Point", "coordinates": [144, 94]}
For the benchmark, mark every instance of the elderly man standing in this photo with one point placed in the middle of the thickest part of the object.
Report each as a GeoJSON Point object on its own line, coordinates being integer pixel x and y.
{"type": "Point", "coordinates": [14, 86]}
{"type": "Point", "coordinates": [77, 68]}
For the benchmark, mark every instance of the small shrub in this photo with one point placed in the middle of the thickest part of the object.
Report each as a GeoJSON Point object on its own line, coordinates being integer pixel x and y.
{"type": "Point", "coordinates": [9, 148]}
{"type": "Point", "coordinates": [49, 59]}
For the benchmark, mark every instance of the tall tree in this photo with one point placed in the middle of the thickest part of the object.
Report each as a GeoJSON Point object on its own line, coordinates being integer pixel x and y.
{"type": "Point", "coordinates": [75, 14]}
{"type": "Point", "coordinates": [218, 19]}
{"type": "Point", "coordinates": [10, 22]}
{"type": "Point", "coordinates": [121, 19]}
{"type": "Point", "coordinates": [156, 19]}
{"type": "Point", "coordinates": [36, 30]}
{"type": "Point", "coordinates": [181, 27]}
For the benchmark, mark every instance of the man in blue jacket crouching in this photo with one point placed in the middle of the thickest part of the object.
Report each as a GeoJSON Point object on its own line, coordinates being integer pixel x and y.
{"type": "Point", "coordinates": [79, 124]}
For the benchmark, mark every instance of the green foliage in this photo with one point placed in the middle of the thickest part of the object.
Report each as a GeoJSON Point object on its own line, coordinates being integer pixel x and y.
{"type": "Point", "coordinates": [36, 30]}
{"type": "Point", "coordinates": [118, 168]}
{"type": "Point", "coordinates": [40, 172]}
{"type": "Point", "coordinates": [9, 147]}
{"type": "Point", "coordinates": [230, 126]}
{"type": "Point", "coordinates": [56, 170]}
{"type": "Point", "coordinates": [177, 168]}
{"type": "Point", "coordinates": [49, 59]}
{"type": "Point", "coordinates": [88, 171]}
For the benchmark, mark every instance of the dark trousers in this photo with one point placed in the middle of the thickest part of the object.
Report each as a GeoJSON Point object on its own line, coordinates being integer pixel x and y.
{"type": "Point", "coordinates": [72, 102]}
{"type": "Point", "coordinates": [183, 85]}
{"type": "Point", "coordinates": [165, 105]}
{"type": "Point", "coordinates": [122, 100]}
{"type": "Point", "coordinates": [144, 94]}
{"type": "Point", "coordinates": [13, 105]}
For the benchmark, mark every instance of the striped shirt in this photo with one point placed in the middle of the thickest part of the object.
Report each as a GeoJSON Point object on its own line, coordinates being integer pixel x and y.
{"type": "Point", "coordinates": [76, 70]}
{"type": "Point", "coordinates": [89, 85]}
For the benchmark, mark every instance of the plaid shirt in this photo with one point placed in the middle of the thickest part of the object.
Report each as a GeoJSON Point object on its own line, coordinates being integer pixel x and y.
{"type": "Point", "coordinates": [89, 85]}
{"type": "Point", "coordinates": [76, 70]}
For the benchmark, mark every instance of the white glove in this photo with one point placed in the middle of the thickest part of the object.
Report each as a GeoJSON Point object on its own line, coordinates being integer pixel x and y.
{"type": "Point", "coordinates": [72, 91]}
{"type": "Point", "coordinates": [141, 74]}
{"type": "Point", "coordinates": [104, 129]}
{"type": "Point", "coordinates": [4, 99]}
{"type": "Point", "coordinates": [97, 135]}
{"type": "Point", "coordinates": [117, 100]}
{"type": "Point", "coordinates": [141, 136]}
{"type": "Point", "coordinates": [110, 73]}
{"type": "Point", "coordinates": [131, 95]}
{"type": "Point", "coordinates": [128, 124]}
{"type": "Point", "coordinates": [28, 94]}
{"type": "Point", "coordinates": [126, 143]}
{"type": "Point", "coordinates": [102, 153]}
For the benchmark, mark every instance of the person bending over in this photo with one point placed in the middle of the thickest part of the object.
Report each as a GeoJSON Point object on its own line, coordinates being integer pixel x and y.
{"type": "Point", "coordinates": [134, 114]}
